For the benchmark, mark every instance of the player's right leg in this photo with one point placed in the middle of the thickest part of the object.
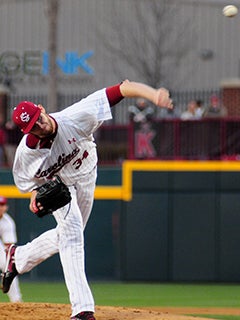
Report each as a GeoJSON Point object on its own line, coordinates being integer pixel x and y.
{"type": "Point", "coordinates": [10, 271]}
{"type": "Point", "coordinates": [14, 293]}
{"type": "Point", "coordinates": [38, 250]}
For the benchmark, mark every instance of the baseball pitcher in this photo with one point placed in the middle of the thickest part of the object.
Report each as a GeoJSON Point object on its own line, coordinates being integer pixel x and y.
{"type": "Point", "coordinates": [61, 145]}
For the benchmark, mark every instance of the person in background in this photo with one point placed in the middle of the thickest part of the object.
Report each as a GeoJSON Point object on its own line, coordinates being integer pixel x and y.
{"type": "Point", "coordinates": [199, 112]}
{"type": "Point", "coordinates": [13, 137]}
{"type": "Point", "coordinates": [8, 236]}
{"type": "Point", "coordinates": [2, 142]}
{"type": "Point", "coordinates": [141, 112]}
{"type": "Point", "coordinates": [216, 108]}
{"type": "Point", "coordinates": [190, 113]}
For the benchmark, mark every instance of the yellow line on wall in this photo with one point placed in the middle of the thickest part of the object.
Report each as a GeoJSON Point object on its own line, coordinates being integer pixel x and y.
{"type": "Point", "coordinates": [101, 192]}
{"type": "Point", "coordinates": [132, 165]}
{"type": "Point", "coordinates": [10, 191]}
{"type": "Point", "coordinates": [124, 192]}
{"type": "Point", "coordinates": [108, 193]}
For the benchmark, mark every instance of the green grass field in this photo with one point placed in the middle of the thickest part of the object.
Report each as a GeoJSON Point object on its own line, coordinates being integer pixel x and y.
{"type": "Point", "coordinates": [141, 294]}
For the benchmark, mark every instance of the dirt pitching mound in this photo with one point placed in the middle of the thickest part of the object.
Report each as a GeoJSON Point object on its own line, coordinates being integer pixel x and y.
{"type": "Point", "coordinates": [47, 311]}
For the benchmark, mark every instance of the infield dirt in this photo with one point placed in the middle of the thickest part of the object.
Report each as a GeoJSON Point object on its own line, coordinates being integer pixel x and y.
{"type": "Point", "coordinates": [47, 311]}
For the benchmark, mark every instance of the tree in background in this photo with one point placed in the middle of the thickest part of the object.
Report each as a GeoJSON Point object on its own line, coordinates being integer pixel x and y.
{"type": "Point", "coordinates": [150, 37]}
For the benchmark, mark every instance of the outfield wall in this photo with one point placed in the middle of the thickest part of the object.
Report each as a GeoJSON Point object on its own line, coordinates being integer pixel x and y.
{"type": "Point", "coordinates": [152, 221]}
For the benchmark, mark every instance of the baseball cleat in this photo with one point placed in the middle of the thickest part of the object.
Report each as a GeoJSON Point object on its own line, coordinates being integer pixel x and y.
{"type": "Point", "coordinates": [10, 270]}
{"type": "Point", "coordinates": [86, 315]}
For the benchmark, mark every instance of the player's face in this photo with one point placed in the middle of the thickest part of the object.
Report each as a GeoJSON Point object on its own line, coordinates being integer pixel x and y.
{"type": "Point", "coordinates": [43, 127]}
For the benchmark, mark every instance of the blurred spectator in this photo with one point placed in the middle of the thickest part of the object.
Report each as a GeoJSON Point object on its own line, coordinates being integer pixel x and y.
{"type": "Point", "coordinates": [141, 116]}
{"type": "Point", "coordinates": [215, 108]}
{"type": "Point", "coordinates": [8, 236]}
{"type": "Point", "coordinates": [14, 136]}
{"type": "Point", "coordinates": [2, 142]}
{"type": "Point", "coordinates": [164, 113]}
{"type": "Point", "coordinates": [142, 112]}
{"type": "Point", "coordinates": [190, 113]}
{"type": "Point", "coordinates": [199, 112]}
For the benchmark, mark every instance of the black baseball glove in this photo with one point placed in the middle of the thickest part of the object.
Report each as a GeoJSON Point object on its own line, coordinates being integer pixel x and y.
{"type": "Point", "coordinates": [52, 195]}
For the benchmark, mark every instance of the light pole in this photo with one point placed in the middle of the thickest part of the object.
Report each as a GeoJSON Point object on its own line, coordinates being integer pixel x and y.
{"type": "Point", "coordinates": [52, 14]}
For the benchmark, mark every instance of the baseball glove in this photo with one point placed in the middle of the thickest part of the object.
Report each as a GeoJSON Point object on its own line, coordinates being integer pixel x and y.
{"type": "Point", "coordinates": [52, 195]}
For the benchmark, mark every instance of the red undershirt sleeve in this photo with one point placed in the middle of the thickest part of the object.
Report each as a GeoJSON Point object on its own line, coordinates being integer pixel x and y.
{"type": "Point", "coordinates": [114, 94]}
{"type": "Point", "coordinates": [32, 141]}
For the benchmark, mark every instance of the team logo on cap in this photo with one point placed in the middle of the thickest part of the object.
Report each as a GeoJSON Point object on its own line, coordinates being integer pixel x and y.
{"type": "Point", "coordinates": [25, 117]}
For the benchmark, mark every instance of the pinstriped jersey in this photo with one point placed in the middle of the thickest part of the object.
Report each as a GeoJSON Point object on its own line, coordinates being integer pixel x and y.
{"type": "Point", "coordinates": [7, 229]}
{"type": "Point", "coordinates": [73, 151]}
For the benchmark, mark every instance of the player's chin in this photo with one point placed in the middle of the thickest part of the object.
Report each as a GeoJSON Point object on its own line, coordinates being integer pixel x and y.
{"type": "Point", "coordinates": [46, 131]}
{"type": "Point", "coordinates": [44, 134]}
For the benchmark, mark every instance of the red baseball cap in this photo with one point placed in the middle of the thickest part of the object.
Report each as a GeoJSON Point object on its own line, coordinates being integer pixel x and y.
{"type": "Point", "coordinates": [3, 200]}
{"type": "Point", "coordinates": [25, 114]}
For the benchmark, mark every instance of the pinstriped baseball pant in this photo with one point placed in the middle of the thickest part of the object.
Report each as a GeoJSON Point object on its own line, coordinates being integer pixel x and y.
{"type": "Point", "coordinates": [67, 239]}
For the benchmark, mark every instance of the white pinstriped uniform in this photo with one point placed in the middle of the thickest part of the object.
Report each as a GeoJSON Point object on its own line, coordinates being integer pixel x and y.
{"type": "Point", "coordinates": [73, 157]}
{"type": "Point", "coordinates": [8, 235]}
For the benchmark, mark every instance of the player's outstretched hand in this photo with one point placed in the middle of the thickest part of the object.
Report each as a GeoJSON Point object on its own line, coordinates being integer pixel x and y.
{"type": "Point", "coordinates": [159, 97]}
{"type": "Point", "coordinates": [162, 98]}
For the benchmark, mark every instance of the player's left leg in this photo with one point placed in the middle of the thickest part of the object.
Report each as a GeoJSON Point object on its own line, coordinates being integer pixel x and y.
{"type": "Point", "coordinates": [85, 195]}
{"type": "Point", "coordinates": [71, 248]}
